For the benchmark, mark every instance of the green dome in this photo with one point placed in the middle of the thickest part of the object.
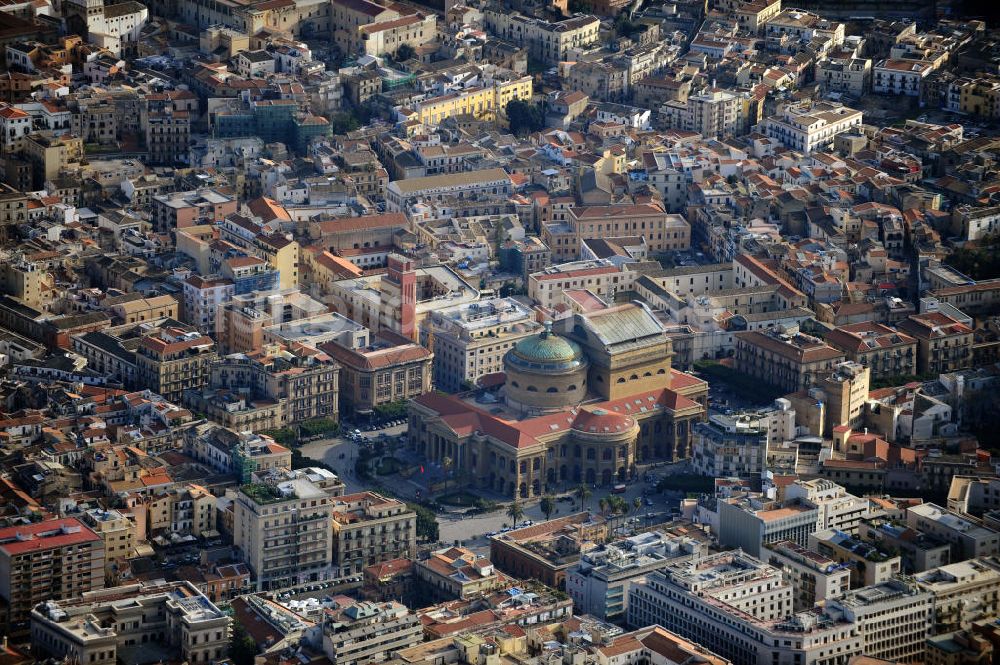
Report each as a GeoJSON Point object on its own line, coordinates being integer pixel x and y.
{"type": "Point", "coordinates": [546, 350]}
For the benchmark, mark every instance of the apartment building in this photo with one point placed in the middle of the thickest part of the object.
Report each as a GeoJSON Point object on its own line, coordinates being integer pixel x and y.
{"type": "Point", "coordinates": [365, 632]}
{"type": "Point", "coordinates": [242, 453]}
{"type": "Point", "coordinates": [117, 531]}
{"type": "Point", "coordinates": [175, 616]}
{"type": "Point", "coordinates": [301, 381]}
{"type": "Point", "coordinates": [368, 528]}
{"type": "Point", "coordinates": [244, 317]}
{"type": "Point", "coordinates": [728, 446]}
{"type": "Point", "coordinates": [601, 277]}
{"type": "Point", "coordinates": [280, 251]}
{"type": "Point", "coordinates": [813, 576]}
{"type": "Point", "coordinates": [886, 352]}
{"type": "Point", "coordinates": [810, 127]}
{"type": "Point", "coordinates": [712, 113]}
{"type": "Point", "coordinates": [469, 340]}
{"type": "Point", "coordinates": [598, 583]}
{"type": "Point", "coordinates": [741, 609]}
{"type": "Point", "coordinates": [55, 559]}
{"type": "Point", "coordinates": [457, 573]}
{"type": "Point", "coordinates": [484, 102]}
{"type": "Point", "coordinates": [414, 30]}
{"type": "Point", "coordinates": [663, 231]}
{"type": "Point", "coordinates": [967, 538]}
{"type": "Point", "coordinates": [282, 526]}
{"type": "Point", "coordinates": [848, 76]}
{"type": "Point", "coordinates": [750, 524]}
{"type": "Point", "coordinates": [952, 587]}
{"type": "Point", "coordinates": [550, 42]}
{"type": "Point", "coordinates": [944, 344]}
{"type": "Point", "coordinates": [918, 551]}
{"type": "Point", "coordinates": [178, 210]}
{"type": "Point", "coordinates": [838, 509]}
{"type": "Point", "coordinates": [204, 299]}
{"type": "Point", "coordinates": [784, 357]}
{"type": "Point", "coordinates": [187, 509]}
{"type": "Point", "coordinates": [173, 361]}
{"type": "Point", "coordinates": [467, 184]}
{"type": "Point", "coordinates": [900, 77]}
{"type": "Point", "coordinates": [869, 565]}
{"type": "Point", "coordinates": [894, 619]}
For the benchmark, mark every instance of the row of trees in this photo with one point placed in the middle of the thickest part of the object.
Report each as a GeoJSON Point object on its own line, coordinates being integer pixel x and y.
{"type": "Point", "coordinates": [610, 506]}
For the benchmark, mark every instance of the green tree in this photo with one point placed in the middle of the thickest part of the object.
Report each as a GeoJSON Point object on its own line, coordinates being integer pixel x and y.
{"type": "Point", "coordinates": [525, 117]}
{"type": "Point", "coordinates": [404, 53]}
{"type": "Point", "coordinates": [515, 512]}
{"type": "Point", "coordinates": [637, 503]}
{"type": "Point", "coordinates": [427, 525]}
{"type": "Point", "coordinates": [242, 647]}
{"type": "Point", "coordinates": [582, 493]}
{"type": "Point", "coordinates": [548, 506]}
{"type": "Point", "coordinates": [602, 503]}
{"type": "Point", "coordinates": [343, 122]}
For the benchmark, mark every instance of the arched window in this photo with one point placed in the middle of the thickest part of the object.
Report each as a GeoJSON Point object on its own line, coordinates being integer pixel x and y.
{"type": "Point", "coordinates": [552, 389]}
{"type": "Point", "coordinates": [532, 389]}
{"type": "Point", "coordinates": [571, 387]}
{"type": "Point", "coordinates": [621, 379]}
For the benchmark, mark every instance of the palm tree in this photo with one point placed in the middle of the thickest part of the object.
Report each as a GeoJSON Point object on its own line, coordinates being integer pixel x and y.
{"type": "Point", "coordinates": [637, 503]}
{"type": "Point", "coordinates": [582, 493]}
{"type": "Point", "coordinates": [602, 503]}
{"type": "Point", "coordinates": [446, 462]}
{"type": "Point", "coordinates": [548, 505]}
{"type": "Point", "coordinates": [515, 512]}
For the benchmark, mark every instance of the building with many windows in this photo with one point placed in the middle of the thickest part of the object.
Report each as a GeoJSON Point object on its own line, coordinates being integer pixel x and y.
{"type": "Point", "coordinates": [811, 127]}
{"type": "Point", "coordinates": [469, 341]}
{"type": "Point", "coordinates": [91, 629]}
{"type": "Point", "coordinates": [368, 528]}
{"type": "Point", "coordinates": [51, 560]}
{"type": "Point", "coordinates": [547, 41]}
{"type": "Point", "coordinates": [598, 583]}
{"type": "Point", "coordinates": [282, 525]}
{"type": "Point", "coordinates": [813, 576]}
{"type": "Point", "coordinates": [784, 357]}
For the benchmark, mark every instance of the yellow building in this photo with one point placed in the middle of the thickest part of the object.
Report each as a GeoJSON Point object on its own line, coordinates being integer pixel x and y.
{"type": "Point", "coordinates": [980, 96]}
{"type": "Point", "coordinates": [118, 533]}
{"type": "Point", "coordinates": [28, 282]}
{"type": "Point", "coordinates": [50, 153]}
{"type": "Point", "coordinates": [280, 252]}
{"type": "Point", "coordinates": [482, 102]}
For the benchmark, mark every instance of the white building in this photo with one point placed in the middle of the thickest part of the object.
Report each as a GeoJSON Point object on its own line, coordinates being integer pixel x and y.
{"type": "Point", "coordinates": [837, 508]}
{"type": "Point", "coordinates": [813, 577]}
{"type": "Point", "coordinates": [963, 592]}
{"type": "Point", "coordinates": [807, 128]}
{"type": "Point", "coordinates": [712, 113]}
{"type": "Point", "coordinates": [467, 184]}
{"type": "Point", "coordinates": [968, 539]}
{"type": "Point", "coordinates": [900, 77]}
{"type": "Point", "coordinates": [741, 609]}
{"type": "Point", "coordinates": [599, 582]}
{"type": "Point", "coordinates": [282, 526]}
{"type": "Point", "coordinates": [175, 616]}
